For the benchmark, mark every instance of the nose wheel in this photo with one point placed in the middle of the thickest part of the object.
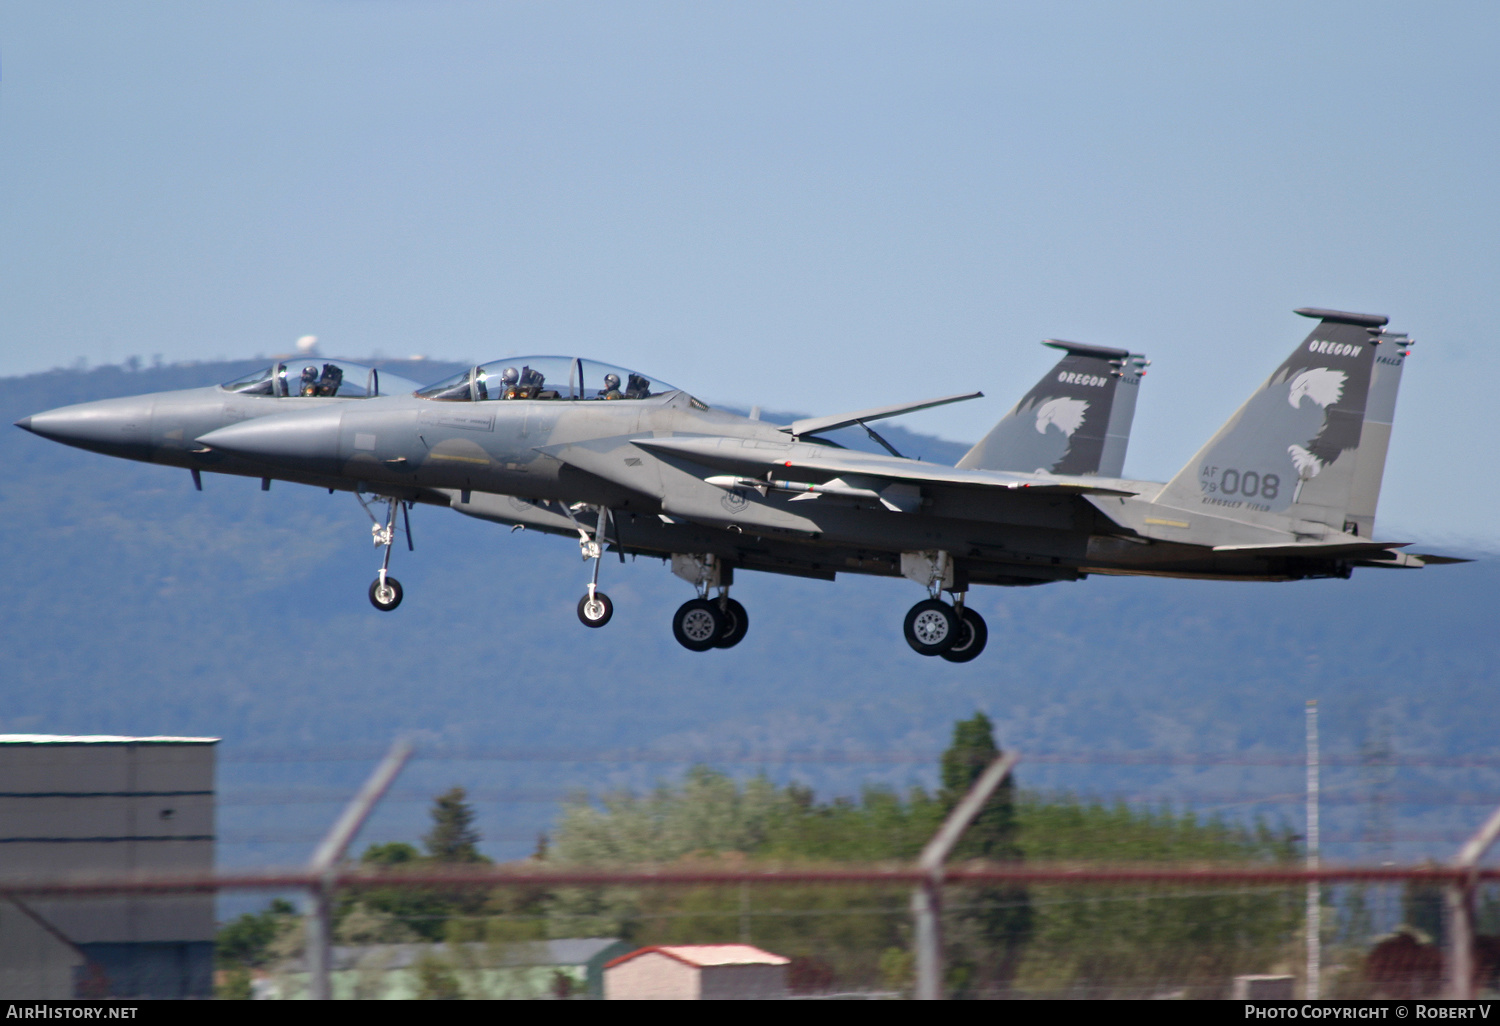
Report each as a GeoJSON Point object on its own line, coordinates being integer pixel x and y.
{"type": "Point", "coordinates": [385, 592]}
{"type": "Point", "coordinates": [595, 609]}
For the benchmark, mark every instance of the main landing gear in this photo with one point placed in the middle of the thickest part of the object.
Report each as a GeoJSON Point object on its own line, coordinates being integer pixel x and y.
{"type": "Point", "coordinates": [385, 590]}
{"type": "Point", "coordinates": [704, 623]}
{"type": "Point", "coordinates": [933, 627]}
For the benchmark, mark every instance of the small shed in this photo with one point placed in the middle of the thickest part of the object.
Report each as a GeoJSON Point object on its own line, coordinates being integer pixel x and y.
{"type": "Point", "coordinates": [1262, 988]}
{"type": "Point", "coordinates": [665, 972]}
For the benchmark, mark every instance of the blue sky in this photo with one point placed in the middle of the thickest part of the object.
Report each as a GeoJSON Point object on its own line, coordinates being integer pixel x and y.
{"type": "Point", "coordinates": [811, 206]}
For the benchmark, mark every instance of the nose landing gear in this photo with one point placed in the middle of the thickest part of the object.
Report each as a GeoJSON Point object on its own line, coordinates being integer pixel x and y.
{"type": "Point", "coordinates": [595, 608]}
{"type": "Point", "coordinates": [385, 590]}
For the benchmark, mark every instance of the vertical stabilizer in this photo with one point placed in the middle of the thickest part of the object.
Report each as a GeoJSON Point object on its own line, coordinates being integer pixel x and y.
{"type": "Point", "coordinates": [1380, 412]}
{"type": "Point", "coordinates": [1288, 457]}
{"type": "Point", "coordinates": [1076, 420]}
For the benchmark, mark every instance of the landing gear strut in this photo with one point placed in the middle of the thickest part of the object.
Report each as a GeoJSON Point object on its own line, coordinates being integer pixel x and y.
{"type": "Point", "coordinates": [385, 590]}
{"type": "Point", "coordinates": [595, 608]}
{"type": "Point", "coordinates": [704, 622]}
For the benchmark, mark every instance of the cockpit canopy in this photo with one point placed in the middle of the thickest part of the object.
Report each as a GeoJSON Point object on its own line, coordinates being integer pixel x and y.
{"type": "Point", "coordinates": [316, 376]}
{"type": "Point", "coordinates": [545, 377]}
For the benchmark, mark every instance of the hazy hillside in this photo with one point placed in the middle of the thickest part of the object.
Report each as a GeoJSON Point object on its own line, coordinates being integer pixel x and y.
{"type": "Point", "coordinates": [139, 606]}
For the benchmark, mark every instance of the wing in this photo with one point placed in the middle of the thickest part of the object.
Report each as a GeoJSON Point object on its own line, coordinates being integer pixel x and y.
{"type": "Point", "coordinates": [818, 464]}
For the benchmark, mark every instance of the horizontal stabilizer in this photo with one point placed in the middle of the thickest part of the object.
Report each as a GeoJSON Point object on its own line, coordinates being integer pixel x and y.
{"type": "Point", "coordinates": [813, 425]}
{"type": "Point", "coordinates": [1433, 560]}
{"type": "Point", "coordinates": [1336, 548]}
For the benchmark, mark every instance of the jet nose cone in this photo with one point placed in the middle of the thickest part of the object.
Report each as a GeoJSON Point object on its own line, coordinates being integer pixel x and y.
{"type": "Point", "coordinates": [304, 441]}
{"type": "Point", "coordinates": [119, 427]}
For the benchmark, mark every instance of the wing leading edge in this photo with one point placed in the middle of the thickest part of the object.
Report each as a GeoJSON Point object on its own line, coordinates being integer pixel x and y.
{"type": "Point", "coordinates": [759, 457]}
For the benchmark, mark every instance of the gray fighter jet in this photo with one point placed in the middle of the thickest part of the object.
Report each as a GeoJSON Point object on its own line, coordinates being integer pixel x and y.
{"type": "Point", "coordinates": [1286, 490]}
{"type": "Point", "coordinates": [1075, 420]}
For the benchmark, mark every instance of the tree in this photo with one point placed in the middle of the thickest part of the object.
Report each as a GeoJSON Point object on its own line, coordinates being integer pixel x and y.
{"type": "Point", "coordinates": [246, 941]}
{"type": "Point", "coordinates": [988, 936]}
{"type": "Point", "coordinates": [391, 915]}
{"type": "Point", "coordinates": [453, 837]}
{"type": "Point", "coordinates": [992, 835]}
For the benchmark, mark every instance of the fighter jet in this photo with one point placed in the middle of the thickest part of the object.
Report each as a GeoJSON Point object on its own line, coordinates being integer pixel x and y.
{"type": "Point", "coordinates": [1076, 421]}
{"type": "Point", "coordinates": [1285, 490]}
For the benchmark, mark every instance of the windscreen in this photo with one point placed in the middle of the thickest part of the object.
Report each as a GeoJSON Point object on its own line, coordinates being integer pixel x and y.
{"type": "Point", "coordinates": [546, 378]}
{"type": "Point", "coordinates": [314, 377]}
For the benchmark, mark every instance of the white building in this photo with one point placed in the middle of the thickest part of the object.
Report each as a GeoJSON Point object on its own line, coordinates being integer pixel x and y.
{"type": "Point", "coordinates": [101, 805]}
{"type": "Point", "coordinates": [666, 972]}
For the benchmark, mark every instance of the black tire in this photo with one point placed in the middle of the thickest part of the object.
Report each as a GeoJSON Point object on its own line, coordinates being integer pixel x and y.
{"type": "Point", "coordinates": [603, 610]}
{"type": "Point", "coordinates": [697, 625]}
{"type": "Point", "coordinates": [391, 599]}
{"type": "Point", "coordinates": [931, 627]}
{"type": "Point", "coordinates": [973, 635]}
{"type": "Point", "coordinates": [736, 624]}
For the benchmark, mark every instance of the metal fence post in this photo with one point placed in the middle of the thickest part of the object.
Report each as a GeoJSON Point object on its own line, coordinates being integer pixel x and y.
{"type": "Point", "coordinates": [927, 913]}
{"type": "Point", "coordinates": [1461, 910]}
{"type": "Point", "coordinates": [1314, 925]}
{"type": "Point", "coordinates": [323, 867]}
{"type": "Point", "coordinates": [927, 897]}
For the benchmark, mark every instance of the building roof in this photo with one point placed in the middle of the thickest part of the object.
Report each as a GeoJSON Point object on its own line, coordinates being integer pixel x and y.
{"type": "Point", "coordinates": [100, 739]}
{"type": "Point", "coordinates": [704, 955]}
